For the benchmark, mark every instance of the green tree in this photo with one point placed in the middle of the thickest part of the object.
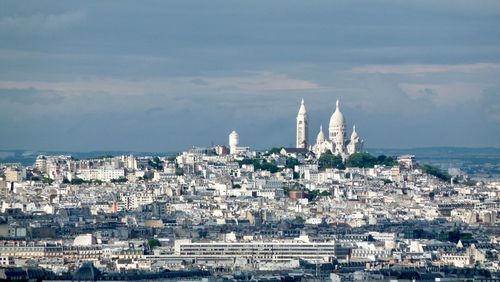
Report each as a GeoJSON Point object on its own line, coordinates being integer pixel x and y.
{"type": "Point", "coordinates": [432, 170]}
{"type": "Point", "coordinates": [260, 164]}
{"type": "Point", "coordinates": [146, 177]}
{"type": "Point", "coordinates": [291, 162]}
{"type": "Point", "coordinates": [299, 220]}
{"type": "Point", "coordinates": [385, 160]}
{"type": "Point", "coordinates": [325, 194]}
{"type": "Point", "coordinates": [454, 235]}
{"type": "Point", "coordinates": [329, 160]}
{"type": "Point", "coordinates": [119, 180]}
{"type": "Point", "coordinates": [314, 194]}
{"type": "Point", "coordinates": [274, 150]}
{"type": "Point", "coordinates": [47, 180]}
{"type": "Point", "coordinates": [269, 167]}
{"type": "Point", "coordinates": [153, 243]}
{"type": "Point", "coordinates": [156, 163]}
{"type": "Point", "coordinates": [470, 183]}
{"type": "Point", "coordinates": [387, 181]}
{"type": "Point", "coordinates": [35, 178]}
{"type": "Point", "coordinates": [77, 181]}
{"type": "Point", "coordinates": [361, 160]}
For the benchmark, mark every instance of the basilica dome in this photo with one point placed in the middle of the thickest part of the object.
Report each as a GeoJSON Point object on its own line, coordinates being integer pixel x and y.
{"type": "Point", "coordinates": [337, 120]}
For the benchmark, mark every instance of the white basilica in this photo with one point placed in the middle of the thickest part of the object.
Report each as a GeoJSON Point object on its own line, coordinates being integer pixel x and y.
{"type": "Point", "coordinates": [336, 142]}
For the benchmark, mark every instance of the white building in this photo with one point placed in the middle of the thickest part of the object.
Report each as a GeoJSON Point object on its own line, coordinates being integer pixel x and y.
{"type": "Point", "coordinates": [15, 174]}
{"type": "Point", "coordinates": [337, 141]}
{"type": "Point", "coordinates": [103, 173]}
{"type": "Point", "coordinates": [302, 127]}
{"type": "Point", "coordinates": [6, 261]}
{"type": "Point", "coordinates": [234, 141]}
{"type": "Point", "coordinates": [259, 251]}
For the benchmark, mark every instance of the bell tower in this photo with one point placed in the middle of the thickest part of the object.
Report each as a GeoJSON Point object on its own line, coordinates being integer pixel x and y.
{"type": "Point", "coordinates": [302, 127]}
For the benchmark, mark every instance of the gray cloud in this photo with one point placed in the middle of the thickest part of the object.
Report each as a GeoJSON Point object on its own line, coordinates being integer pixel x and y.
{"type": "Point", "coordinates": [491, 103]}
{"type": "Point", "coordinates": [199, 81]}
{"type": "Point", "coordinates": [40, 24]}
{"type": "Point", "coordinates": [185, 73]}
{"type": "Point", "coordinates": [426, 69]}
{"type": "Point", "coordinates": [29, 96]}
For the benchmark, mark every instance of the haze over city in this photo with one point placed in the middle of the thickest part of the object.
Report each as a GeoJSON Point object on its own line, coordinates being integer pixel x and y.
{"type": "Point", "coordinates": [165, 75]}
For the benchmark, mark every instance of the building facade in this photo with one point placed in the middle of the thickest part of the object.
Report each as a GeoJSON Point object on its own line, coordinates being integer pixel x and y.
{"type": "Point", "coordinates": [337, 141]}
{"type": "Point", "coordinates": [262, 251]}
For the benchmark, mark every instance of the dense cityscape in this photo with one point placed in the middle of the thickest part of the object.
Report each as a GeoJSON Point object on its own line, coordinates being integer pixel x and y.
{"type": "Point", "coordinates": [326, 210]}
{"type": "Point", "coordinates": [260, 141]}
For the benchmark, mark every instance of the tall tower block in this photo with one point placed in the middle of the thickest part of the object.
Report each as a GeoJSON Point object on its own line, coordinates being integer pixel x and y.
{"type": "Point", "coordinates": [302, 127]}
{"type": "Point", "coordinates": [234, 141]}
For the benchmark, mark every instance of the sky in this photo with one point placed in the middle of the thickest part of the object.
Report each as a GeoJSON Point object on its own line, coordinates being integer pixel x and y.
{"type": "Point", "coordinates": [168, 75]}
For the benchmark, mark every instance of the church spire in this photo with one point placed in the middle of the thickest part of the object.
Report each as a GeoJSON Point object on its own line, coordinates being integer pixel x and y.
{"type": "Point", "coordinates": [302, 126]}
{"type": "Point", "coordinates": [302, 110]}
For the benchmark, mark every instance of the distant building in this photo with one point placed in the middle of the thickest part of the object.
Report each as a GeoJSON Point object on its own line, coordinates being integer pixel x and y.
{"type": "Point", "coordinates": [337, 141]}
{"type": "Point", "coordinates": [6, 261]}
{"type": "Point", "coordinates": [407, 161]}
{"type": "Point", "coordinates": [14, 174]}
{"type": "Point", "coordinates": [41, 163]}
{"type": "Point", "coordinates": [261, 251]}
{"type": "Point", "coordinates": [234, 141]}
{"type": "Point", "coordinates": [221, 150]}
{"type": "Point", "coordinates": [104, 173]}
{"type": "Point", "coordinates": [302, 127]}
{"type": "Point", "coordinates": [84, 240]}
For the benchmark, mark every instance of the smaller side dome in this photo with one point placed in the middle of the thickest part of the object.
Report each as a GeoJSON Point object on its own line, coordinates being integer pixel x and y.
{"type": "Point", "coordinates": [354, 134]}
{"type": "Point", "coordinates": [321, 135]}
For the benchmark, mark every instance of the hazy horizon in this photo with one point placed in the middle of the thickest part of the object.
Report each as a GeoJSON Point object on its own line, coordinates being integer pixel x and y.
{"type": "Point", "coordinates": [368, 149]}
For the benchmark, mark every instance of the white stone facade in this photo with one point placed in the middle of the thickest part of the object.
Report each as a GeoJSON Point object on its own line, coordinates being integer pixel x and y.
{"type": "Point", "coordinates": [337, 141]}
{"type": "Point", "coordinates": [302, 127]}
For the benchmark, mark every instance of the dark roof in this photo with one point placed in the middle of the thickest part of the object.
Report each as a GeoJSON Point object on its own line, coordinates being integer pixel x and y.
{"type": "Point", "coordinates": [295, 150]}
{"type": "Point", "coordinates": [15, 273]}
{"type": "Point", "coordinates": [87, 272]}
